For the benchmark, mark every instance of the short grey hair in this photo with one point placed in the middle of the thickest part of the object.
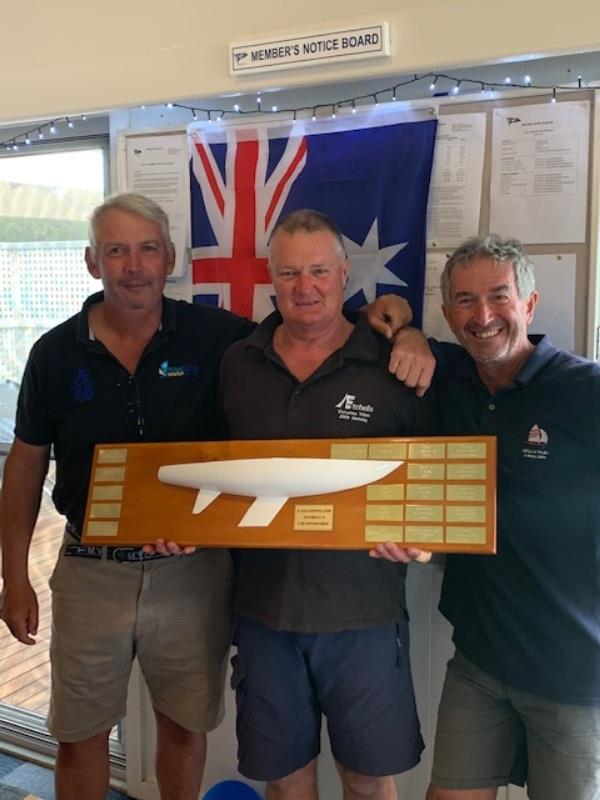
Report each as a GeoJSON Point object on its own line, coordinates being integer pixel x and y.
{"type": "Point", "coordinates": [135, 204]}
{"type": "Point", "coordinates": [309, 221]}
{"type": "Point", "coordinates": [496, 249]}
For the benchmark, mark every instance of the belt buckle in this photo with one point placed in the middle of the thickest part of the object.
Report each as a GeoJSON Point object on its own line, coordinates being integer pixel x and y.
{"type": "Point", "coordinates": [131, 555]}
{"type": "Point", "coordinates": [122, 554]}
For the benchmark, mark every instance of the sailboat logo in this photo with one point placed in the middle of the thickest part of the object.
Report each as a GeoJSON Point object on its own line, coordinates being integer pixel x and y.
{"type": "Point", "coordinates": [537, 436]}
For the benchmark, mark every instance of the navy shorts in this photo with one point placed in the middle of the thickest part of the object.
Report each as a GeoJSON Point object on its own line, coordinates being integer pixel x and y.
{"type": "Point", "coordinates": [360, 680]}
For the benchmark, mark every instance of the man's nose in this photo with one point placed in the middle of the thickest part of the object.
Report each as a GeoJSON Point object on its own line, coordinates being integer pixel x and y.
{"type": "Point", "coordinates": [131, 260]}
{"type": "Point", "coordinates": [304, 282]}
{"type": "Point", "coordinates": [483, 313]}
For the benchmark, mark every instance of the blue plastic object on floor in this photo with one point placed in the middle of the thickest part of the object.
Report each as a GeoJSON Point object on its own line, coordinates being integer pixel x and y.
{"type": "Point", "coordinates": [231, 790]}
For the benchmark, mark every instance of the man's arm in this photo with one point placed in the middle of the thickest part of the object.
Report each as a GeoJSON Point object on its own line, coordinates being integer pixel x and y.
{"type": "Point", "coordinates": [388, 314]}
{"type": "Point", "coordinates": [24, 472]}
{"type": "Point", "coordinates": [411, 359]}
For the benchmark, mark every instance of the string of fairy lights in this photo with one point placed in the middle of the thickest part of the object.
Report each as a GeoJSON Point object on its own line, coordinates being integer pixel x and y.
{"type": "Point", "coordinates": [42, 131]}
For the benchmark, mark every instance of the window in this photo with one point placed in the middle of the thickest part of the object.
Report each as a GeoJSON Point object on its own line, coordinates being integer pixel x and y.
{"type": "Point", "coordinates": [45, 202]}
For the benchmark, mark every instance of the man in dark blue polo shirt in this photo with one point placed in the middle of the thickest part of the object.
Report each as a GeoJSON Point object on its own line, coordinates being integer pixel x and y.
{"type": "Point", "coordinates": [521, 703]}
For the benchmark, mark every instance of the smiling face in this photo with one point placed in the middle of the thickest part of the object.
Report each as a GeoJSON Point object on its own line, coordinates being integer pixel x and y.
{"type": "Point", "coordinates": [132, 260]}
{"type": "Point", "coordinates": [487, 315]}
{"type": "Point", "coordinates": [309, 272]}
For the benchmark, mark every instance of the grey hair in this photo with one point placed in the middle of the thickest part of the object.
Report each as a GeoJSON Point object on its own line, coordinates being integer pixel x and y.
{"type": "Point", "coordinates": [498, 250]}
{"type": "Point", "coordinates": [309, 221]}
{"type": "Point", "coordinates": [134, 204]}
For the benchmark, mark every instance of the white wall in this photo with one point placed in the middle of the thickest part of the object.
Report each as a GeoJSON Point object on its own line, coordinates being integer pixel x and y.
{"type": "Point", "coordinates": [63, 57]}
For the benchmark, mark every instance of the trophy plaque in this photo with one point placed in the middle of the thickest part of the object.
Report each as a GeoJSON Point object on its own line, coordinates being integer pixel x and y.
{"type": "Point", "coordinates": [435, 493]}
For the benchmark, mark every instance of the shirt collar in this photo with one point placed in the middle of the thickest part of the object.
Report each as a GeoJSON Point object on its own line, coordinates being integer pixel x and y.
{"type": "Point", "coordinates": [167, 323]}
{"type": "Point", "coordinates": [362, 344]}
{"type": "Point", "coordinates": [543, 351]}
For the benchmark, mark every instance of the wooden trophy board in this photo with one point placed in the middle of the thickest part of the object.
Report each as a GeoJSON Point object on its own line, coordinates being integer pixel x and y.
{"type": "Point", "coordinates": [438, 494]}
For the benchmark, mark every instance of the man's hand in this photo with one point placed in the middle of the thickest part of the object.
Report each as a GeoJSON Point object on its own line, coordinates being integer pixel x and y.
{"type": "Point", "coordinates": [20, 612]}
{"type": "Point", "coordinates": [412, 361]}
{"type": "Point", "coordinates": [166, 547]}
{"type": "Point", "coordinates": [391, 552]}
{"type": "Point", "coordinates": [388, 314]}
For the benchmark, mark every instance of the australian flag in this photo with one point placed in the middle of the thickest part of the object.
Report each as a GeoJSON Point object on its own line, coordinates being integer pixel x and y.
{"type": "Point", "coordinates": [371, 178]}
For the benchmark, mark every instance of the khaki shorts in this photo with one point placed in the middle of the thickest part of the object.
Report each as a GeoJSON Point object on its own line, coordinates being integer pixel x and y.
{"type": "Point", "coordinates": [174, 614]}
{"type": "Point", "coordinates": [490, 735]}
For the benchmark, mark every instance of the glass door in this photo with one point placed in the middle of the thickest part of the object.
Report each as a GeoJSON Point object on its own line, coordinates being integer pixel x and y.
{"type": "Point", "coordinates": [46, 199]}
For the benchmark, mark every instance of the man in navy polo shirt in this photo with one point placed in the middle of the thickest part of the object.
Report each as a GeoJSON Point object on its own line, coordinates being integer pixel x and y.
{"type": "Point", "coordinates": [521, 702]}
{"type": "Point", "coordinates": [131, 366]}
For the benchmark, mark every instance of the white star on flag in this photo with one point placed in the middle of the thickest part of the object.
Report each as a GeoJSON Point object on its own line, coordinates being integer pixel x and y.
{"type": "Point", "coordinates": [368, 265]}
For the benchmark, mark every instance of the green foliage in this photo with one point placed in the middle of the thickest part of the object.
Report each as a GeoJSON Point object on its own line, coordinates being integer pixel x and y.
{"type": "Point", "coordinates": [30, 229]}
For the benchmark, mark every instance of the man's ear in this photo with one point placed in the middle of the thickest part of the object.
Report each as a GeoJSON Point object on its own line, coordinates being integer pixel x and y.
{"type": "Point", "coordinates": [172, 255]}
{"type": "Point", "coordinates": [345, 272]}
{"type": "Point", "coordinates": [447, 317]}
{"type": "Point", "coordinates": [91, 263]}
{"type": "Point", "coordinates": [532, 302]}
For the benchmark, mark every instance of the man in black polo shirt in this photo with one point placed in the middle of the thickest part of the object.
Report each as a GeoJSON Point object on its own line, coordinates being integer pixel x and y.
{"type": "Point", "coordinates": [131, 366]}
{"type": "Point", "coordinates": [319, 632]}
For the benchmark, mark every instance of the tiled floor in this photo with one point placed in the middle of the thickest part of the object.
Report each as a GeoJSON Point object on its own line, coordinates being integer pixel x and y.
{"type": "Point", "coordinates": [20, 780]}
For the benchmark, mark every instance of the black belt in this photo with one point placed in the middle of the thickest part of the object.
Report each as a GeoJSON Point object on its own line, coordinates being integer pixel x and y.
{"type": "Point", "coordinates": [120, 554]}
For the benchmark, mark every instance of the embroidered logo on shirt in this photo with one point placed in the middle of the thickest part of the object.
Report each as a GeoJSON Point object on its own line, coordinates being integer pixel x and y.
{"type": "Point", "coordinates": [83, 388]}
{"type": "Point", "coordinates": [349, 409]}
{"type": "Point", "coordinates": [537, 439]}
{"type": "Point", "coordinates": [165, 371]}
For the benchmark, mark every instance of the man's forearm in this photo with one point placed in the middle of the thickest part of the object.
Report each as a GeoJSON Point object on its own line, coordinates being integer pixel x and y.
{"type": "Point", "coordinates": [24, 472]}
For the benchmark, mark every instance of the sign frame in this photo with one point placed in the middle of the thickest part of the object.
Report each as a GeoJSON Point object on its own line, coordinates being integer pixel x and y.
{"type": "Point", "coordinates": [310, 49]}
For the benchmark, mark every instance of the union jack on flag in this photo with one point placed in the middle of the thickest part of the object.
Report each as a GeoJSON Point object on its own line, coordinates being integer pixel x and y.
{"type": "Point", "coordinates": [371, 178]}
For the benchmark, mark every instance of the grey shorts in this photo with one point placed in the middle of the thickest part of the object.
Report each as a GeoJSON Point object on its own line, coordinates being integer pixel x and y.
{"type": "Point", "coordinates": [174, 614]}
{"type": "Point", "coordinates": [490, 735]}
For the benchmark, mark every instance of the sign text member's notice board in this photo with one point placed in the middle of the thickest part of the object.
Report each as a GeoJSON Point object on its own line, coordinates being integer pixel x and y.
{"type": "Point", "coordinates": [431, 492]}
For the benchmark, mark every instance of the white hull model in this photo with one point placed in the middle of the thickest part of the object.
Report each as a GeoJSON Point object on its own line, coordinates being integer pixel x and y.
{"type": "Point", "coordinates": [272, 481]}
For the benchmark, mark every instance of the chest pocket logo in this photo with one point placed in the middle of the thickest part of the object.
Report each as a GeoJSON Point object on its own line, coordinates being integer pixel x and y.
{"type": "Point", "coordinates": [537, 444]}
{"type": "Point", "coordinates": [349, 409]}
{"type": "Point", "coordinates": [83, 387]}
